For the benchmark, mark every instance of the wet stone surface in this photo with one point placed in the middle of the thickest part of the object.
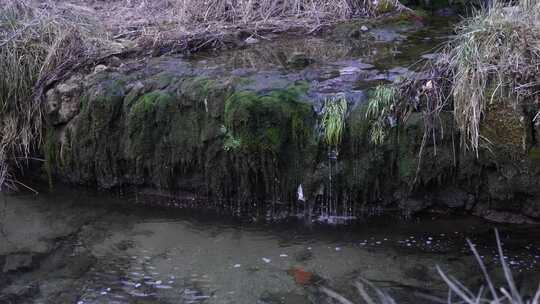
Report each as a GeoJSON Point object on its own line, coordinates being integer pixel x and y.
{"type": "Point", "coordinates": [331, 63]}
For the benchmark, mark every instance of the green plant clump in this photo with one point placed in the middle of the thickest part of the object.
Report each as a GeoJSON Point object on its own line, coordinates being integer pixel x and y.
{"type": "Point", "coordinates": [267, 121]}
{"type": "Point", "coordinates": [333, 121]}
{"type": "Point", "coordinates": [379, 112]}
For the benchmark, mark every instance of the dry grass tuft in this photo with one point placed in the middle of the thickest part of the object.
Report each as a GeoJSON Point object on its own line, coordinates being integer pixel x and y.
{"type": "Point", "coordinates": [35, 41]}
{"type": "Point", "coordinates": [494, 57]}
{"type": "Point", "coordinates": [264, 11]}
{"type": "Point", "coordinates": [193, 22]}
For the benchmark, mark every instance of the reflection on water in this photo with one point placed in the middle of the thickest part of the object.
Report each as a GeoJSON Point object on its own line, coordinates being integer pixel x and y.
{"type": "Point", "coordinates": [142, 255]}
{"type": "Point", "coordinates": [383, 47]}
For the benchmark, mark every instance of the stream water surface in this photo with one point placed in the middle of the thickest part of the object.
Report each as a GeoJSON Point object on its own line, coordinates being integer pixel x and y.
{"type": "Point", "coordinates": [73, 247]}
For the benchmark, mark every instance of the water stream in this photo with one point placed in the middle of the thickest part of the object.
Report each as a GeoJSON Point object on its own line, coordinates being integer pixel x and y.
{"type": "Point", "coordinates": [88, 248]}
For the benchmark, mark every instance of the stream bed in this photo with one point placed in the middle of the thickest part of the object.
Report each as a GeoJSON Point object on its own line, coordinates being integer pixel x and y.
{"type": "Point", "coordinates": [79, 247]}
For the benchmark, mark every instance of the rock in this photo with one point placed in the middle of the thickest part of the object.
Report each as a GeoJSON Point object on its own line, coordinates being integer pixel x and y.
{"type": "Point", "coordinates": [100, 68]}
{"type": "Point", "coordinates": [364, 28]}
{"type": "Point", "coordinates": [452, 198]}
{"type": "Point", "coordinates": [355, 34]}
{"type": "Point", "coordinates": [386, 35]}
{"type": "Point", "coordinates": [445, 12]}
{"type": "Point", "coordinates": [114, 61]}
{"type": "Point", "coordinates": [471, 202]}
{"type": "Point", "coordinates": [251, 40]}
{"type": "Point", "coordinates": [414, 205]}
{"type": "Point", "coordinates": [299, 60]}
{"type": "Point", "coordinates": [63, 103]}
{"type": "Point", "coordinates": [532, 208]}
{"type": "Point", "coordinates": [506, 217]}
{"type": "Point", "coordinates": [16, 262]}
{"type": "Point", "coordinates": [19, 294]}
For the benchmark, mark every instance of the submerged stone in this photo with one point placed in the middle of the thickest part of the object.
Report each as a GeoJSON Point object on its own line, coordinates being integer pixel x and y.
{"type": "Point", "coordinates": [299, 60]}
{"type": "Point", "coordinates": [16, 262]}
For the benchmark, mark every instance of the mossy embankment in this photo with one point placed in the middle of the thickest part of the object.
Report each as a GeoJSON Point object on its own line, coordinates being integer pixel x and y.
{"type": "Point", "coordinates": [43, 44]}
{"type": "Point", "coordinates": [220, 139]}
{"type": "Point", "coordinates": [182, 131]}
{"type": "Point", "coordinates": [169, 124]}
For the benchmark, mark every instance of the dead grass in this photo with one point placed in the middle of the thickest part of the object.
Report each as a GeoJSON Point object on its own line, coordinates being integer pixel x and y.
{"type": "Point", "coordinates": [192, 25]}
{"type": "Point", "coordinates": [245, 11]}
{"type": "Point", "coordinates": [35, 41]}
{"type": "Point", "coordinates": [495, 57]}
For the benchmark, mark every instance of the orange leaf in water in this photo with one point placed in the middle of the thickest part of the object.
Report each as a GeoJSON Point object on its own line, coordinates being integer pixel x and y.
{"type": "Point", "coordinates": [301, 276]}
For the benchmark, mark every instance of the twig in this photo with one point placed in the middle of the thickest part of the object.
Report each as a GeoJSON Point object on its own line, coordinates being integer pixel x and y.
{"type": "Point", "coordinates": [334, 295]}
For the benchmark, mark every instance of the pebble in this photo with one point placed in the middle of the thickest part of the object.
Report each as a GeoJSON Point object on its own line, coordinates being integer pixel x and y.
{"type": "Point", "coordinates": [266, 260]}
{"type": "Point", "coordinates": [251, 40]}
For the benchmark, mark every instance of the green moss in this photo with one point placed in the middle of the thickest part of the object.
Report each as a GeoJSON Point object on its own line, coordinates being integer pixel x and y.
{"type": "Point", "coordinates": [503, 127]}
{"type": "Point", "coordinates": [533, 157]}
{"type": "Point", "coordinates": [385, 6]}
{"type": "Point", "coordinates": [269, 120]}
{"type": "Point", "coordinates": [84, 103]}
{"type": "Point", "coordinates": [50, 153]}
{"type": "Point", "coordinates": [148, 102]}
{"type": "Point", "coordinates": [198, 87]}
{"type": "Point", "coordinates": [407, 163]}
{"type": "Point", "coordinates": [146, 118]}
{"type": "Point", "coordinates": [358, 125]}
{"type": "Point", "coordinates": [163, 80]}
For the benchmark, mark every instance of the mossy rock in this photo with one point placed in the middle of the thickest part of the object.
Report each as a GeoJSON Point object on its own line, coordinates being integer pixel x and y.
{"type": "Point", "coordinates": [268, 121]}
{"type": "Point", "coordinates": [504, 129]}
